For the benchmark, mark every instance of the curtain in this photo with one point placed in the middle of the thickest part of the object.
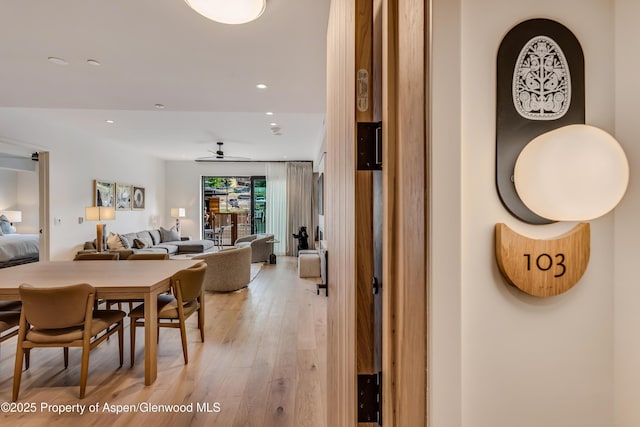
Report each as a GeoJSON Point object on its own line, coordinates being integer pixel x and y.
{"type": "Point", "coordinates": [276, 212]}
{"type": "Point", "coordinates": [299, 199]}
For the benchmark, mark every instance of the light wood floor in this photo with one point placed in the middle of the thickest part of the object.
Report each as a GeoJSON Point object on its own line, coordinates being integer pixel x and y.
{"type": "Point", "coordinates": [263, 362]}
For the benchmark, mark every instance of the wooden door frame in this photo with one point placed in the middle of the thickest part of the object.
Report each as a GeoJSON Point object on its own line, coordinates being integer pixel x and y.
{"type": "Point", "coordinates": [406, 130]}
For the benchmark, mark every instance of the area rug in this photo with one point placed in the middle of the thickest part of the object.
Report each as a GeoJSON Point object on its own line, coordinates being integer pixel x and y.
{"type": "Point", "coordinates": [255, 269]}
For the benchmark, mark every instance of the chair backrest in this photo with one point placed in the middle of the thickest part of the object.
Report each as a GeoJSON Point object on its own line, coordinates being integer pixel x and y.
{"type": "Point", "coordinates": [112, 256]}
{"type": "Point", "coordinates": [190, 281]}
{"type": "Point", "coordinates": [56, 308]}
{"type": "Point", "coordinates": [134, 257]}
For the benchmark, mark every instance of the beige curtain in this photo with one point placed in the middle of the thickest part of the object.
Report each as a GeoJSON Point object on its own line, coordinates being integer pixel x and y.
{"type": "Point", "coordinates": [299, 203]}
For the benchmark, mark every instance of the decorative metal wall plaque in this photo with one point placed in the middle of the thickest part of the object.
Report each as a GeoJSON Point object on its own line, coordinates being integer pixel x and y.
{"type": "Point", "coordinates": [540, 87]}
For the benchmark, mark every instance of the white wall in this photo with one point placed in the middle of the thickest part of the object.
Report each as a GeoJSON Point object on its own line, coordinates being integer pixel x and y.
{"type": "Point", "coordinates": [8, 190]}
{"type": "Point", "coordinates": [513, 360]}
{"type": "Point", "coordinates": [183, 180]}
{"type": "Point", "coordinates": [28, 202]}
{"type": "Point", "coordinates": [627, 231]}
{"type": "Point", "coordinates": [73, 167]}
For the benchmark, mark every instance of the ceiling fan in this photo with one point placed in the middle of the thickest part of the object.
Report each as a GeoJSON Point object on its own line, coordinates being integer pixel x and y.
{"type": "Point", "coordinates": [219, 155]}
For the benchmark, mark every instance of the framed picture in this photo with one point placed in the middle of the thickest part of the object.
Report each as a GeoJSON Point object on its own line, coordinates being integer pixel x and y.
{"type": "Point", "coordinates": [123, 197]}
{"type": "Point", "coordinates": [137, 198]}
{"type": "Point", "coordinates": [104, 193]}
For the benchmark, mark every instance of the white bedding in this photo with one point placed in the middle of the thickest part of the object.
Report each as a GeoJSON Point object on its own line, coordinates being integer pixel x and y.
{"type": "Point", "coordinates": [15, 246]}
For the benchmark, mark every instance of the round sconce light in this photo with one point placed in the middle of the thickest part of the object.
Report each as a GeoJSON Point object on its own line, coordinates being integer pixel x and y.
{"type": "Point", "coordinates": [573, 173]}
{"type": "Point", "coordinates": [229, 12]}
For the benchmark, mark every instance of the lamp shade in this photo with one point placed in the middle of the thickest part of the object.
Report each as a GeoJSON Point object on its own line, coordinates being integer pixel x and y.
{"type": "Point", "coordinates": [573, 173]}
{"type": "Point", "coordinates": [229, 12]}
{"type": "Point", "coordinates": [99, 213]}
{"type": "Point", "coordinates": [177, 212]}
{"type": "Point", "coordinates": [13, 216]}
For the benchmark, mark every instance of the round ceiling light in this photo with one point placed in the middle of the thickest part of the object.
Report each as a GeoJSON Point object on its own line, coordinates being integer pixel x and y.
{"type": "Point", "coordinates": [229, 12]}
{"type": "Point", "coordinates": [574, 173]}
{"type": "Point", "coordinates": [261, 86]}
{"type": "Point", "coordinates": [57, 61]}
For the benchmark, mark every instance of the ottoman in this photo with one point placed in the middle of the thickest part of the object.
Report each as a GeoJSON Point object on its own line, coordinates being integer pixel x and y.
{"type": "Point", "coordinates": [308, 263]}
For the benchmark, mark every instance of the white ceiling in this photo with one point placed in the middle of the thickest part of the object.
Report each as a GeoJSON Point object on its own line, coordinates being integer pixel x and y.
{"type": "Point", "coordinates": [161, 51]}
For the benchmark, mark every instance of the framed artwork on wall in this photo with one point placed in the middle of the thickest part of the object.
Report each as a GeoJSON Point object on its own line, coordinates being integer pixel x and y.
{"type": "Point", "coordinates": [123, 197]}
{"type": "Point", "coordinates": [103, 193]}
{"type": "Point", "coordinates": [137, 198]}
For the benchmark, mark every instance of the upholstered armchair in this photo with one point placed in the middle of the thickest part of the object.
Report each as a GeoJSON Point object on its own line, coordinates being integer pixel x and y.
{"type": "Point", "coordinates": [227, 270]}
{"type": "Point", "coordinates": [260, 249]}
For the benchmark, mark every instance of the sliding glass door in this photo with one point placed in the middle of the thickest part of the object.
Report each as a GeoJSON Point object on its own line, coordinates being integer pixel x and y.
{"type": "Point", "coordinates": [232, 207]}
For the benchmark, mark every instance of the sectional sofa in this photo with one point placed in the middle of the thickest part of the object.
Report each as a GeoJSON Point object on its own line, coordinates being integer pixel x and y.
{"type": "Point", "coordinates": [151, 241]}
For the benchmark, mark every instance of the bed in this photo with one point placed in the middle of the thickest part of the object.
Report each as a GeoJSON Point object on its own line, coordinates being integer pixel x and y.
{"type": "Point", "coordinates": [18, 249]}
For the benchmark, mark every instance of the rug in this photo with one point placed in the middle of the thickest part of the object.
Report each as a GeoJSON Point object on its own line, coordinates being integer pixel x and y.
{"type": "Point", "coordinates": [255, 269]}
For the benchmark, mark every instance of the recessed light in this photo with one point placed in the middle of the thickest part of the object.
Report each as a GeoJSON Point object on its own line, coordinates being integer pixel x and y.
{"type": "Point", "coordinates": [57, 61]}
{"type": "Point", "coordinates": [261, 86]}
{"type": "Point", "coordinates": [273, 124]}
{"type": "Point", "coordinates": [159, 106]}
{"type": "Point", "coordinates": [93, 62]}
{"type": "Point", "coordinates": [110, 121]}
{"type": "Point", "coordinates": [269, 113]}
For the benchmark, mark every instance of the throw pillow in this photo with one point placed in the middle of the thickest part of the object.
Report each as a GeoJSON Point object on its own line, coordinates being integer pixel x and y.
{"type": "Point", "coordinates": [5, 226]}
{"type": "Point", "coordinates": [114, 242]}
{"type": "Point", "coordinates": [170, 235]}
{"type": "Point", "coordinates": [155, 235]}
{"type": "Point", "coordinates": [139, 244]}
{"type": "Point", "coordinates": [146, 238]}
{"type": "Point", "coordinates": [125, 242]}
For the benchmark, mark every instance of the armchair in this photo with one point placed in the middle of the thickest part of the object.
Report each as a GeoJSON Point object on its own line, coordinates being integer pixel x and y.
{"type": "Point", "coordinates": [260, 249]}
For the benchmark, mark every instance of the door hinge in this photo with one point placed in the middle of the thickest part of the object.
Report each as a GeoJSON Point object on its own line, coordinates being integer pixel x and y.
{"type": "Point", "coordinates": [369, 145]}
{"type": "Point", "coordinates": [370, 398]}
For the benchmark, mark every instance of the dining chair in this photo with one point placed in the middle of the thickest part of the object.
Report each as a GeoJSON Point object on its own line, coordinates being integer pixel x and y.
{"type": "Point", "coordinates": [63, 317]}
{"type": "Point", "coordinates": [143, 256]}
{"type": "Point", "coordinates": [93, 256]}
{"type": "Point", "coordinates": [9, 320]}
{"type": "Point", "coordinates": [187, 298]}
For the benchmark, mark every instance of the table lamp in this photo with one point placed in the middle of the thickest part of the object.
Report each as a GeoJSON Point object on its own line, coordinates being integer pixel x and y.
{"type": "Point", "coordinates": [177, 213]}
{"type": "Point", "coordinates": [99, 213]}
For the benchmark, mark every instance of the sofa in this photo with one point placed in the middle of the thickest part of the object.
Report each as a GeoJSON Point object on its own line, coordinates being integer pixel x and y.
{"type": "Point", "coordinates": [151, 241]}
{"type": "Point", "coordinates": [227, 270]}
{"type": "Point", "coordinates": [260, 249]}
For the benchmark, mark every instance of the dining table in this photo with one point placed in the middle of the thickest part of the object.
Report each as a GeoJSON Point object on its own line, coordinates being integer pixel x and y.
{"type": "Point", "coordinates": [113, 280]}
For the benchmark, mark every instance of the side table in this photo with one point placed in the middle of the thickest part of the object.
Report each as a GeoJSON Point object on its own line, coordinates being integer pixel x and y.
{"type": "Point", "coordinates": [272, 257]}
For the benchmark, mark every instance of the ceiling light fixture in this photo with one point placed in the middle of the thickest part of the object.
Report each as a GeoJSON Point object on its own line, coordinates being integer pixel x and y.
{"type": "Point", "coordinates": [159, 106]}
{"type": "Point", "coordinates": [229, 12]}
{"type": "Point", "coordinates": [94, 62]}
{"type": "Point", "coordinates": [269, 113]}
{"type": "Point", "coordinates": [261, 86]}
{"type": "Point", "coordinates": [273, 124]}
{"type": "Point", "coordinates": [110, 121]}
{"type": "Point", "coordinates": [57, 61]}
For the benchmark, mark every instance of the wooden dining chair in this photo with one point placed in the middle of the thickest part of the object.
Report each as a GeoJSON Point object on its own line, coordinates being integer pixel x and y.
{"type": "Point", "coordinates": [91, 256]}
{"type": "Point", "coordinates": [173, 310]}
{"type": "Point", "coordinates": [63, 317]}
{"type": "Point", "coordinates": [144, 256]}
{"type": "Point", "coordinates": [9, 319]}
{"type": "Point", "coordinates": [94, 256]}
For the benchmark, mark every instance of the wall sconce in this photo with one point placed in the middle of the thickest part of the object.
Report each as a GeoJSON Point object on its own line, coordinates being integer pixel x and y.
{"type": "Point", "coordinates": [229, 12]}
{"type": "Point", "coordinates": [177, 213]}
{"type": "Point", "coordinates": [99, 213]}
{"type": "Point", "coordinates": [12, 216]}
{"type": "Point", "coordinates": [573, 173]}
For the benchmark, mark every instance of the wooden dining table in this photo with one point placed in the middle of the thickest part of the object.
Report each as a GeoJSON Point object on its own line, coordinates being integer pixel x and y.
{"type": "Point", "coordinates": [113, 280]}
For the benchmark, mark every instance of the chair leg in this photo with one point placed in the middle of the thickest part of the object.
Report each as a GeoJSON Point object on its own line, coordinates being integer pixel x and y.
{"type": "Point", "coordinates": [120, 341]}
{"type": "Point", "coordinates": [201, 321]}
{"type": "Point", "coordinates": [133, 340]}
{"type": "Point", "coordinates": [27, 358]}
{"type": "Point", "coordinates": [84, 369]}
{"type": "Point", "coordinates": [183, 335]}
{"type": "Point", "coordinates": [65, 350]}
{"type": "Point", "coordinates": [17, 372]}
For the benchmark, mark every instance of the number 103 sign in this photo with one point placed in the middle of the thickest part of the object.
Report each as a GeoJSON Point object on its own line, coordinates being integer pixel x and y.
{"type": "Point", "coordinates": [543, 268]}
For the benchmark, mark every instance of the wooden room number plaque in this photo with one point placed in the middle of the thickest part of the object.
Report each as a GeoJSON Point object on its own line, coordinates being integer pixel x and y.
{"type": "Point", "coordinates": [543, 268]}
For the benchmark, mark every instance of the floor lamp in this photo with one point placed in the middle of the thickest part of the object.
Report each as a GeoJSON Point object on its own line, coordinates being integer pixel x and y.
{"type": "Point", "coordinates": [177, 213]}
{"type": "Point", "coordinates": [99, 213]}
